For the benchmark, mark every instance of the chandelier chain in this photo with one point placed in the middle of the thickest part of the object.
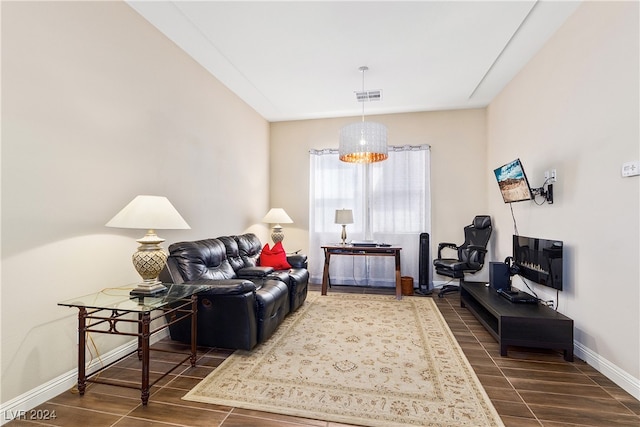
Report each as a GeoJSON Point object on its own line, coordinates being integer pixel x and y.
{"type": "Point", "coordinates": [364, 68]}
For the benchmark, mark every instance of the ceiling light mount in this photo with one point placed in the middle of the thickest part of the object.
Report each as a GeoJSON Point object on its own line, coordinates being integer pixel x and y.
{"type": "Point", "coordinates": [363, 142]}
{"type": "Point", "coordinates": [369, 95]}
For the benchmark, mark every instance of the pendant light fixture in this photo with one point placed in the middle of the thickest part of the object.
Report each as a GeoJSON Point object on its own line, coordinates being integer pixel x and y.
{"type": "Point", "coordinates": [363, 142]}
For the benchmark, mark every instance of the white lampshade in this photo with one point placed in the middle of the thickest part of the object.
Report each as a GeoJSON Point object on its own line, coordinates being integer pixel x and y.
{"type": "Point", "coordinates": [344, 216]}
{"type": "Point", "coordinates": [149, 212]}
{"type": "Point", "coordinates": [277, 216]}
{"type": "Point", "coordinates": [363, 142]}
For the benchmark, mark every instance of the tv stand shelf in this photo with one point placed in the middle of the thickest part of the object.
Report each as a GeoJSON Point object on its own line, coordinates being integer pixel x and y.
{"type": "Point", "coordinates": [525, 325]}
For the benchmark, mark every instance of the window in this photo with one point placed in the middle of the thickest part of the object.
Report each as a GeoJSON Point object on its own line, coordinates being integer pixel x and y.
{"type": "Point", "coordinates": [390, 202]}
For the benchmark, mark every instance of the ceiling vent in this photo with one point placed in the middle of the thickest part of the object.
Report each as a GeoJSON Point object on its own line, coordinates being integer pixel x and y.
{"type": "Point", "coordinates": [369, 95]}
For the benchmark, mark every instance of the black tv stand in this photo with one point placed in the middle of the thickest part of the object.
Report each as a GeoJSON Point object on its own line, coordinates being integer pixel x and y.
{"type": "Point", "coordinates": [524, 325]}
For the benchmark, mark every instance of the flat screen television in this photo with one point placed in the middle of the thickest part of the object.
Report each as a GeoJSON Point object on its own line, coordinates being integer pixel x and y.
{"type": "Point", "coordinates": [513, 182]}
{"type": "Point", "coordinates": [539, 260]}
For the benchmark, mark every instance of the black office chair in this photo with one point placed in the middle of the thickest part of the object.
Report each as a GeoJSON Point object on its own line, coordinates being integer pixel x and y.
{"type": "Point", "coordinates": [470, 254]}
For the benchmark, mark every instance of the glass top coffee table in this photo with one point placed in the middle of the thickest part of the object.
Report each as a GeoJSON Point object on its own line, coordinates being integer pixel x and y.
{"type": "Point", "coordinates": [105, 311]}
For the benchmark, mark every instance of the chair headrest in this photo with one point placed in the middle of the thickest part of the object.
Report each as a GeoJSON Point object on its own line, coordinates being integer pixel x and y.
{"type": "Point", "coordinates": [482, 221]}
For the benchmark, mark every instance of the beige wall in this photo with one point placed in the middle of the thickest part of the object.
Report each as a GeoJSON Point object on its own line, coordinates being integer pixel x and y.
{"type": "Point", "coordinates": [575, 108]}
{"type": "Point", "coordinates": [458, 154]}
{"type": "Point", "coordinates": [98, 107]}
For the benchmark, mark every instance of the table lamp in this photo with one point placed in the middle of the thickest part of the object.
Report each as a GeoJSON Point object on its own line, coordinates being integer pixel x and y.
{"type": "Point", "coordinates": [149, 213]}
{"type": "Point", "coordinates": [344, 217]}
{"type": "Point", "coordinates": [277, 216]}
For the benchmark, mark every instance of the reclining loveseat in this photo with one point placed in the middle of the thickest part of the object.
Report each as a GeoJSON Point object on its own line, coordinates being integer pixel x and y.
{"type": "Point", "coordinates": [247, 302]}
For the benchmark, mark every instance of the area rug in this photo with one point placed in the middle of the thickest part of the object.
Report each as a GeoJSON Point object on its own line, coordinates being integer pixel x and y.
{"type": "Point", "coordinates": [368, 360]}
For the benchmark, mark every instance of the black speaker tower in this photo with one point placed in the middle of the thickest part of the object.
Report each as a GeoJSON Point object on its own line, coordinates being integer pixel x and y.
{"type": "Point", "coordinates": [424, 266]}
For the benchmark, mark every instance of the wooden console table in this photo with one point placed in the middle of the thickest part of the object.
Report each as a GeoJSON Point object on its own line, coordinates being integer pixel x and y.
{"type": "Point", "coordinates": [525, 325]}
{"type": "Point", "coordinates": [361, 251]}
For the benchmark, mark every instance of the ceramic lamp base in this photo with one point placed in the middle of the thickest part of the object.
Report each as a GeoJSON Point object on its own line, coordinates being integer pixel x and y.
{"type": "Point", "coordinates": [276, 234]}
{"type": "Point", "coordinates": [149, 261]}
{"type": "Point", "coordinates": [145, 289]}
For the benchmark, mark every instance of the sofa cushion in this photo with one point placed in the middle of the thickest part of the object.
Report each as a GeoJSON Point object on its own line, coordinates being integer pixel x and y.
{"type": "Point", "coordinates": [275, 257]}
{"type": "Point", "coordinates": [257, 272]}
{"type": "Point", "coordinates": [233, 253]}
{"type": "Point", "coordinates": [249, 248]}
{"type": "Point", "coordinates": [202, 259]}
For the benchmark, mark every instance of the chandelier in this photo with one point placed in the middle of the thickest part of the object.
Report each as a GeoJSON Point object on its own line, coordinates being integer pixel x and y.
{"type": "Point", "coordinates": [363, 142]}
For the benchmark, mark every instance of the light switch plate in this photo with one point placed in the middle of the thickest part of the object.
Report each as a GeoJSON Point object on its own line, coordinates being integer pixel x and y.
{"type": "Point", "coordinates": [631, 168]}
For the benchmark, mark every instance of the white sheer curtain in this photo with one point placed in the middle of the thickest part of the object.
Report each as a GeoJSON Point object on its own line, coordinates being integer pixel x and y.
{"type": "Point", "coordinates": [396, 193]}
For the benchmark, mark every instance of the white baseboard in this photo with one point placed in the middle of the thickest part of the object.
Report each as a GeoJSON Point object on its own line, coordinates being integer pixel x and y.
{"type": "Point", "coordinates": [19, 406]}
{"type": "Point", "coordinates": [622, 378]}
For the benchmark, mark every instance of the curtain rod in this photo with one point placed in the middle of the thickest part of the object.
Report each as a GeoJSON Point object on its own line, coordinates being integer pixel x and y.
{"type": "Point", "coordinates": [390, 148]}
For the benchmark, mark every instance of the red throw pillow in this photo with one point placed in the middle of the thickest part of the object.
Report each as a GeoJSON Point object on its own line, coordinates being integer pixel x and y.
{"type": "Point", "coordinates": [275, 257]}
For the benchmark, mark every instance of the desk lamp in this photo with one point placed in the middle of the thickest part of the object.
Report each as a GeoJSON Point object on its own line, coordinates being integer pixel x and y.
{"type": "Point", "coordinates": [344, 217]}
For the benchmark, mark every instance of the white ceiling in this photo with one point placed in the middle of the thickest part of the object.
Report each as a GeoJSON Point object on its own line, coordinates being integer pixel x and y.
{"type": "Point", "coordinates": [293, 60]}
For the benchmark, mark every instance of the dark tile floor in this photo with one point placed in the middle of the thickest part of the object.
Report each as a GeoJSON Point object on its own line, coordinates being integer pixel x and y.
{"type": "Point", "coordinates": [528, 388]}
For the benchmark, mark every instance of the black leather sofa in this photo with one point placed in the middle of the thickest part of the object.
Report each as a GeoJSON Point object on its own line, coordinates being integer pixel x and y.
{"type": "Point", "coordinates": [247, 302]}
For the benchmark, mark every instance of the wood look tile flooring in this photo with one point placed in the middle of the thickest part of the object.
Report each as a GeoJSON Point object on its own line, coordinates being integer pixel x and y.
{"type": "Point", "coordinates": [528, 388]}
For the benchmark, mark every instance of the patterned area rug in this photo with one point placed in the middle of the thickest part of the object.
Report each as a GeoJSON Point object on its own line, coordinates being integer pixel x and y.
{"type": "Point", "coordinates": [369, 360]}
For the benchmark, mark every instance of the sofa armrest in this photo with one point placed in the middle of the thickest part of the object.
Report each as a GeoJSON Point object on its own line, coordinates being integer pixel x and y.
{"type": "Point", "coordinates": [225, 286]}
{"type": "Point", "coordinates": [297, 260]}
{"type": "Point", "coordinates": [170, 273]}
{"type": "Point", "coordinates": [256, 272]}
